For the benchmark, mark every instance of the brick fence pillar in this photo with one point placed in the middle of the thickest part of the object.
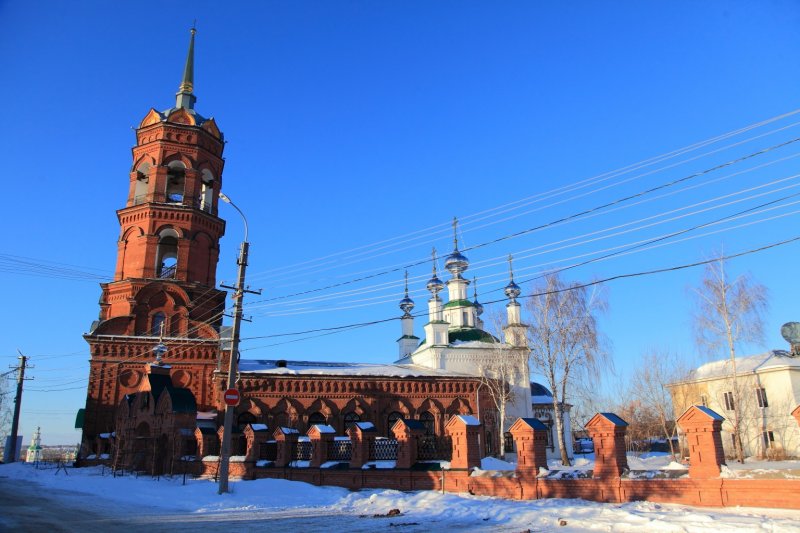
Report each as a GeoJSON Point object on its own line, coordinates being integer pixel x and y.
{"type": "Point", "coordinates": [256, 435]}
{"type": "Point", "coordinates": [796, 414]}
{"type": "Point", "coordinates": [285, 443]}
{"type": "Point", "coordinates": [530, 439]}
{"type": "Point", "coordinates": [702, 428]}
{"type": "Point", "coordinates": [607, 431]}
{"type": "Point", "coordinates": [408, 434]}
{"type": "Point", "coordinates": [362, 434]}
{"type": "Point", "coordinates": [465, 430]}
{"type": "Point", "coordinates": [321, 436]}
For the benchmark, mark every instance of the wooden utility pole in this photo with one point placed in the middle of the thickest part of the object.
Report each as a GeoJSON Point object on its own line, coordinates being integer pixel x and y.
{"type": "Point", "coordinates": [11, 455]}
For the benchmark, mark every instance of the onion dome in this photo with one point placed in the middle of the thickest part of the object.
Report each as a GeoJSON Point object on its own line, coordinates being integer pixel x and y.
{"type": "Point", "coordinates": [476, 304]}
{"type": "Point", "coordinates": [434, 284]}
{"type": "Point", "coordinates": [406, 304]}
{"type": "Point", "coordinates": [456, 263]}
{"type": "Point", "coordinates": [512, 290]}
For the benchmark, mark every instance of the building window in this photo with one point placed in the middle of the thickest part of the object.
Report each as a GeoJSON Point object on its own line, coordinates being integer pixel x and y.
{"type": "Point", "coordinates": [316, 419]}
{"type": "Point", "coordinates": [508, 445]}
{"type": "Point", "coordinates": [729, 401]}
{"type": "Point", "coordinates": [769, 439]}
{"type": "Point", "coordinates": [704, 400]}
{"type": "Point", "coordinates": [158, 323]}
{"type": "Point", "coordinates": [391, 421]}
{"type": "Point", "coordinates": [427, 420]}
{"type": "Point", "coordinates": [761, 396]}
{"type": "Point", "coordinates": [350, 419]}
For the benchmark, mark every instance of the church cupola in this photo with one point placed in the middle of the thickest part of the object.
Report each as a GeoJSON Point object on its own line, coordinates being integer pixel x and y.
{"type": "Point", "coordinates": [436, 328]}
{"type": "Point", "coordinates": [515, 329]}
{"type": "Point", "coordinates": [458, 311]}
{"type": "Point", "coordinates": [407, 342]}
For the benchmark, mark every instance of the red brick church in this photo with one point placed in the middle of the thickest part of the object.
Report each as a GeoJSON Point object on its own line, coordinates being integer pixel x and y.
{"type": "Point", "coordinates": [158, 356]}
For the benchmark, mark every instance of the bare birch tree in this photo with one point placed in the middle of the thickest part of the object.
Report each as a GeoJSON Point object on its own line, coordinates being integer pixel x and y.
{"type": "Point", "coordinates": [498, 374]}
{"type": "Point", "coordinates": [564, 340]}
{"type": "Point", "coordinates": [727, 313]}
{"type": "Point", "coordinates": [656, 370]}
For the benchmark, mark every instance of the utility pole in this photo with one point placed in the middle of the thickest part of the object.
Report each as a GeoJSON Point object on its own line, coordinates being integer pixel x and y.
{"type": "Point", "coordinates": [12, 439]}
{"type": "Point", "coordinates": [238, 295]}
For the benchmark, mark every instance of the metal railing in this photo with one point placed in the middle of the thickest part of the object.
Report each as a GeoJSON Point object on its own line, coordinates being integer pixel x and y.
{"type": "Point", "coordinates": [383, 450]}
{"type": "Point", "coordinates": [168, 272]}
{"type": "Point", "coordinates": [177, 199]}
{"type": "Point", "coordinates": [340, 450]}
{"type": "Point", "coordinates": [431, 448]}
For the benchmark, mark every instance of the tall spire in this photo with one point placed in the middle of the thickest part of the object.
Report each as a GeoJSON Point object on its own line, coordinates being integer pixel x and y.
{"type": "Point", "coordinates": [434, 284]}
{"type": "Point", "coordinates": [185, 97]}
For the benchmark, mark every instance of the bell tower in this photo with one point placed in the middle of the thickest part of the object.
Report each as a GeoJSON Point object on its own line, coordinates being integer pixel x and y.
{"type": "Point", "coordinates": [164, 289]}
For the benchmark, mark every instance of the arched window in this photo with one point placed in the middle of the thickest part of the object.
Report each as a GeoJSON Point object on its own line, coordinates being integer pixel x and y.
{"type": "Point", "coordinates": [176, 178]}
{"type": "Point", "coordinates": [167, 255]}
{"type": "Point", "coordinates": [207, 191]}
{"type": "Point", "coordinates": [156, 324]}
{"type": "Point", "coordinates": [316, 418]}
{"type": "Point", "coordinates": [245, 418]}
{"type": "Point", "coordinates": [427, 420]}
{"type": "Point", "coordinates": [509, 442]}
{"type": "Point", "coordinates": [142, 180]}
{"type": "Point", "coordinates": [391, 420]}
{"type": "Point", "coordinates": [350, 419]}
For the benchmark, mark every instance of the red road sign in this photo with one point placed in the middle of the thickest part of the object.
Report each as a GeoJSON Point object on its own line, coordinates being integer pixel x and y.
{"type": "Point", "coordinates": [232, 397]}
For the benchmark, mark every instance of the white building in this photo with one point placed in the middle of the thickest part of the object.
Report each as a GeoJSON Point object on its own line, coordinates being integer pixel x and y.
{"type": "Point", "coordinates": [456, 342]}
{"type": "Point", "coordinates": [35, 449]}
{"type": "Point", "coordinates": [768, 387]}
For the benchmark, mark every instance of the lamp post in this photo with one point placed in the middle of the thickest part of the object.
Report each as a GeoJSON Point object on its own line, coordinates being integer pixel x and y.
{"type": "Point", "coordinates": [238, 295]}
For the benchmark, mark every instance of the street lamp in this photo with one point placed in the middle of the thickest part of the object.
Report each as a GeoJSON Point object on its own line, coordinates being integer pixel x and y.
{"type": "Point", "coordinates": [238, 295]}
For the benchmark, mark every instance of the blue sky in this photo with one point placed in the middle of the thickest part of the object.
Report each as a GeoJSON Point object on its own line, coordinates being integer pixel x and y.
{"type": "Point", "coordinates": [355, 123]}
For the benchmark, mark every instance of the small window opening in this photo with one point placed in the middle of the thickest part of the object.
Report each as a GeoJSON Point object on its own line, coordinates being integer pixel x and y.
{"type": "Point", "coordinates": [769, 439]}
{"type": "Point", "coordinates": [167, 257]}
{"type": "Point", "coordinates": [350, 419]}
{"type": "Point", "coordinates": [207, 191]}
{"type": "Point", "coordinates": [761, 396]}
{"type": "Point", "coordinates": [729, 401]}
{"type": "Point", "coordinates": [176, 178]}
{"type": "Point", "coordinates": [157, 322]}
{"type": "Point", "coordinates": [142, 181]}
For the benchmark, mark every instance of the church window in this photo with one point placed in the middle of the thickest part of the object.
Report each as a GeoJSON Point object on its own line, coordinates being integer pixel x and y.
{"type": "Point", "coordinates": [391, 421]}
{"type": "Point", "coordinates": [167, 254]}
{"type": "Point", "coordinates": [206, 191]}
{"type": "Point", "coordinates": [142, 179]}
{"type": "Point", "coordinates": [428, 421]}
{"type": "Point", "coordinates": [316, 418]}
{"type": "Point", "coordinates": [350, 419]}
{"type": "Point", "coordinates": [176, 179]}
{"type": "Point", "coordinates": [489, 447]}
{"type": "Point", "coordinates": [157, 323]}
{"type": "Point", "coordinates": [509, 441]}
{"type": "Point", "coordinates": [244, 419]}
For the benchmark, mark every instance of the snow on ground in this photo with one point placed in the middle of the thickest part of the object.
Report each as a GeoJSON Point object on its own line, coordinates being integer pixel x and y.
{"type": "Point", "coordinates": [118, 496]}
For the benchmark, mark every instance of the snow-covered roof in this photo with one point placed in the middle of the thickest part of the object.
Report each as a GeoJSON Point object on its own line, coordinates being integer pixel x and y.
{"type": "Point", "coordinates": [469, 420]}
{"type": "Point", "coordinates": [258, 427]}
{"type": "Point", "coordinates": [771, 360]}
{"type": "Point", "coordinates": [319, 368]}
{"type": "Point", "coordinates": [323, 428]}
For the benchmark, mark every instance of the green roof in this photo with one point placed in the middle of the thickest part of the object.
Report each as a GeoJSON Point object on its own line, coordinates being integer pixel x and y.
{"type": "Point", "coordinates": [458, 303]}
{"type": "Point", "coordinates": [468, 334]}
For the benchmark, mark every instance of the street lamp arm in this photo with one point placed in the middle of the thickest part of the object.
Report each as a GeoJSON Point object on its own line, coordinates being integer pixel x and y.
{"type": "Point", "coordinates": [227, 200]}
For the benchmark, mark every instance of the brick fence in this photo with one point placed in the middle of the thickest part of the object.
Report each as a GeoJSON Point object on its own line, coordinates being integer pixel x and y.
{"type": "Point", "coordinates": [609, 482]}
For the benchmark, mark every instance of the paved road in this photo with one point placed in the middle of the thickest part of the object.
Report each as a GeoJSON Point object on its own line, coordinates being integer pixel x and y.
{"type": "Point", "coordinates": [25, 506]}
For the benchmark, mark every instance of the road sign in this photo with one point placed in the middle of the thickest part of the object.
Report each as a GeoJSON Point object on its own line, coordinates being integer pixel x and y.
{"type": "Point", "coordinates": [232, 397]}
